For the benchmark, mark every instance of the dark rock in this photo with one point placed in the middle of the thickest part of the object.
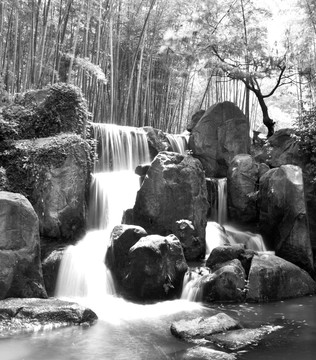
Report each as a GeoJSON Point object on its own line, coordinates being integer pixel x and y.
{"type": "Point", "coordinates": [25, 315]}
{"type": "Point", "coordinates": [195, 119]}
{"type": "Point", "coordinates": [273, 278]}
{"type": "Point", "coordinates": [192, 247]}
{"type": "Point", "coordinates": [20, 266]}
{"type": "Point", "coordinates": [174, 190]}
{"type": "Point", "coordinates": [156, 267]}
{"type": "Point", "coordinates": [123, 237]}
{"type": "Point", "coordinates": [200, 328]}
{"type": "Point", "coordinates": [227, 283]}
{"type": "Point", "coordinates": [283, 217]}
{"type": "Point", "coordinates": [281, 149]}
{"type": "Point", "coordinates": [242, 183]}
{"type": "Point", "coordinates": [50, 266]}
{"type": "Point", "coordinates": [220, 134]}
{"type": "Point", "coordinates": [157, 141]}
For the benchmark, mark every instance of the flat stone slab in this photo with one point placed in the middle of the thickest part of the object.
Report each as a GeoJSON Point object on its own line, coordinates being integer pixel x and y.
{"type": "Point", "coordinates": [200, 327]}
{"type": "Point", "coordinates": [205, 353]}
{"type": "Point", "coordinates": [27, 315]}
{"type": "Point", "coordinates": [239, 339]}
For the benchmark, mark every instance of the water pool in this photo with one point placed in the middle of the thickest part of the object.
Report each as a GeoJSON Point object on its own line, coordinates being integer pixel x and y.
{"type": "Point", "coordinates": [142, 332]}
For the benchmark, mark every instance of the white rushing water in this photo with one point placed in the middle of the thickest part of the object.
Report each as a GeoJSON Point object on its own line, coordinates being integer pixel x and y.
{"type": "Point", "coordinates": [83, 276]}
{"type": "Point", "coordinates": [178, 142]}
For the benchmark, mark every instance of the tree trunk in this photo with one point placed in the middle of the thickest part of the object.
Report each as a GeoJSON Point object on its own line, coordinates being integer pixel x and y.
{"type": "Point", "coordinates": [268, 122]}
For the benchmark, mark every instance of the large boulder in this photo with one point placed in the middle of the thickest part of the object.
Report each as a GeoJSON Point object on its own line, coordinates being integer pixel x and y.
{"type": "Point", "coordinates": [283, 217]}
{"type": "Point", "coordinates": [242, 179]}
{"type": "Point", "coordinates": [174, 189]}
{"type": "Point", "coordinates": [273, 278]}
{"type": "Point", "coordinates": [53, 173]}
{"type": "Point", "coordinates": [219, 135]}
{"type": "Point", "coordinates": [156, 268]}
{"type": "Point", "coordinates": [20, 266]}
{"type": "Point", "coordinates": [123, 237]}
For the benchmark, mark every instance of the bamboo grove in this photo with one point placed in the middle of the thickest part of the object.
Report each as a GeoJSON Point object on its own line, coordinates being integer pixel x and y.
{"type": "Point", "coordinates": [115, 51]}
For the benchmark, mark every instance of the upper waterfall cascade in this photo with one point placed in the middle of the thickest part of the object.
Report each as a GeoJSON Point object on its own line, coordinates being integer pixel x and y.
{"type": "Point", "coordinates": [83, 274]}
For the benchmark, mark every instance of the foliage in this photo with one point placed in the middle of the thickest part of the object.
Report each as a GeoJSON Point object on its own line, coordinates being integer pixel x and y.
{"type": "Point", "coordinates": [62, 109]}
{"type": "Point", "coordinates": [305, 133]}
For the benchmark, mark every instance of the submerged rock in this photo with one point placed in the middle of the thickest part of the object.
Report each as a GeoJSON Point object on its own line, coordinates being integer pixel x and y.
{"type": "Point", "coordinates": [199, 328]}
{"type": "Point", "coordinates": [273, 278]}
{"type": "Point", "coordinates": [241, 338]}
{"type": "Point", "coordinates": [173, 190]}
{"type": "Point", "coordinates": [20, 266]}
{"type": "Point", "coordinates": [220, 134]}
{"type": "Point", "coordinates": [156, 267]}
{"type": "Point", "coordinates": [26, 315]}
{"type": "Point", "coordinates": [206, 353]}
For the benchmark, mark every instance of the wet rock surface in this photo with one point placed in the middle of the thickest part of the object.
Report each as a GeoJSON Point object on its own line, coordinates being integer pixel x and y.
{"type": "Point", "coordinates": [20, 266]}
{"type": "Point", "coordinates": [27, 315]}
{"type": "Point", "coordinates": [199, 328]}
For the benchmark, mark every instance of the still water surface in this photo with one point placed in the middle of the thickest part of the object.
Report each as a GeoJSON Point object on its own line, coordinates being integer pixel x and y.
{"type": "Point", "coordinates": [142, 332]}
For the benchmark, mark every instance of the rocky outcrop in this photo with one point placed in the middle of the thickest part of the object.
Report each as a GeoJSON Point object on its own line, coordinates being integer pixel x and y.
{"type": "Point", "coordinates": [173, 190]}
{"type": "Point", "coordinates": [273, 278]}
{"type": "Point", "coordinates": [283, 217]}
{"type": "Point", "coordinates": [20, 266]}
{"type": "Point", "coordinates": [243, 182]}
{"type": "Point", "coordinates": [219, 135]}
{"type": "Point", "coordinates": [54, 175]}
{"type": "Point", "coordinates": [27, 315]}
{"type": "Point", "coordinates": [123, 237]}
{"type": "Point", "coordinates": [156, 268]}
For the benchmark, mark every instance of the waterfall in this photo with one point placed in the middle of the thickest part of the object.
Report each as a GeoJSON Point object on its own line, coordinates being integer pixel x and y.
{"type": "Point", "coordinates": [222, 200]}
{"type": "Point", "coordinates": [218, 190]}
{"type": "Point", "coordinates": [178, 142]}
{"type": "Point", "coordinates": [83, 275]}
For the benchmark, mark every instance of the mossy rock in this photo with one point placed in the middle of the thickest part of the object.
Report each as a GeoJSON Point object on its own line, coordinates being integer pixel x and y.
{"type": "Point", "coordinates": [58, 108]}
{"type": "Point", "coordinates": [53, 173]}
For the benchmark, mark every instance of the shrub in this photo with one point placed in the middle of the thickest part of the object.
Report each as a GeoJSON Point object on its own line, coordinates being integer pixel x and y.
{"type": "Point", "coordinates": [305, 133]}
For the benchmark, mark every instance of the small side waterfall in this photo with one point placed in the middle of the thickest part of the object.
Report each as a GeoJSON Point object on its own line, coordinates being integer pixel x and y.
{"type": "Point", "coordinates": [83, 275]}
{"type": "Point", "coordinates": [218, 191]}
{"type": "Point", "coordinates": [222, 200]}
{"type": "Point", "coordinates": [178, 142]}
